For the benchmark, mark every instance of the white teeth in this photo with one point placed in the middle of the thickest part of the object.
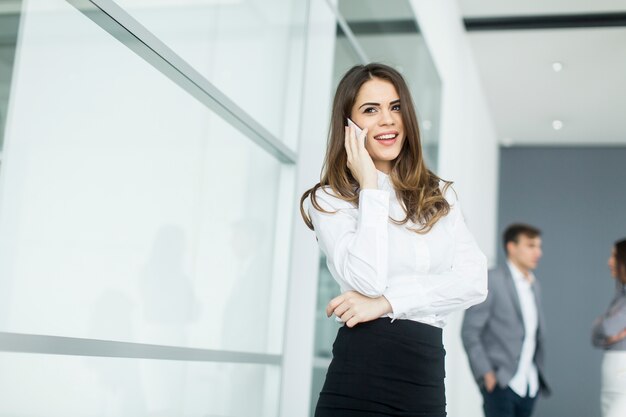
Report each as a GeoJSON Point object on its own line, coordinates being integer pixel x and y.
{"type": "Point", "coordinates": [384, 137]}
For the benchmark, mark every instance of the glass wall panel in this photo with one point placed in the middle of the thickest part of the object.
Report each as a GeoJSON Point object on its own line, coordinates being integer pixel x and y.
{"type": "Point", "coordinates": [252, 50]}
{"type": "Point", "coordinates": [345, 58]}
{"type": "Point", "coordinates": [9, 23]}
{"type": "Point", "coordinates": [34, 385]}
{"type": "Point", "coordinates": [128, 211]}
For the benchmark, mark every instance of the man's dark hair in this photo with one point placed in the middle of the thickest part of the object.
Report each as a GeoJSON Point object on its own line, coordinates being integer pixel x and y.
{"type": "Point", "coordinates": [513, 232]}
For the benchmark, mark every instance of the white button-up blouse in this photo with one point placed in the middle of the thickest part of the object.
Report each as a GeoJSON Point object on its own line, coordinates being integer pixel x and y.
{"type": "Point", "coordinates": [424, 277]}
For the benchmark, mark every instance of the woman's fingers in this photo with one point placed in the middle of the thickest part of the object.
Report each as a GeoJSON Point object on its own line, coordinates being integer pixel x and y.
{"type": "Point", "coordinates": [347, 144]}
{"type": "Point", "coordinates": [333, 304]}
{"type": "Point", "coordinates": [338, 305]}
{"type": "Point", "coordinates": [352, 322]}
{"type": "Point", "coordinates": [350, 314]}
{"type": "Point", "coordinates": [346, 306]}
{"type": "Point", "coordinates": [354, 149]}
{"type": "Point", "coordinates": [359, 160]}
{"type": "Point", "coordinates": [362, 139]}
{"type": "Point", "coordinates": [341, 309]}
{"type": "Point", "coordinates": [354, 308]}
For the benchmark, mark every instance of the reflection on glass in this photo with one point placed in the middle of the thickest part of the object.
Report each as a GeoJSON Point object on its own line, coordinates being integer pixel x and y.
{"type": "Point", "coordinates": [74, 386]}
{"type": "Point", "coordinates": [131, 212]}
{"type": "Point", "coordinates": [251, 50]}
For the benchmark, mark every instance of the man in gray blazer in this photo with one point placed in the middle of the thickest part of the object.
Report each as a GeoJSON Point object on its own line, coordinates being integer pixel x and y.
{"type": "Point", "coordinates": [504, 336]}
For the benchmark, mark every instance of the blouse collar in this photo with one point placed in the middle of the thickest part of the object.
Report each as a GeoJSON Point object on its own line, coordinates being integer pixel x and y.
{"type": "Point", "coordinates": [384, 182]}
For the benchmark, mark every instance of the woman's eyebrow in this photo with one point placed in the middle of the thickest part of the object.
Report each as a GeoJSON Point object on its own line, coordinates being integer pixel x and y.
{"type": "Point", "coordinates": [396, 101]}
{"type": "Point", "coordinates": [369, 104]}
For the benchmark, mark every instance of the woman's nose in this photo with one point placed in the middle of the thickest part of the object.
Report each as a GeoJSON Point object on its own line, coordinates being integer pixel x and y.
{"type": "Point", "coordinates": [386, 118]}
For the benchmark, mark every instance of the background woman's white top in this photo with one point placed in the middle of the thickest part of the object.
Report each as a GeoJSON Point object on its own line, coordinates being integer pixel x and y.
{"type": "Point", "coordinates": [425, 277]}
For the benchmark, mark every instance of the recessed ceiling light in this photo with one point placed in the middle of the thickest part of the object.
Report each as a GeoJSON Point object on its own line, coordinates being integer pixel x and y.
{"type": "Point", "coordinates": [557, 125]}
{"type": "Point", "coordinates": [426, 124]}
{"type": "Point", "coordinates": [557, 66]}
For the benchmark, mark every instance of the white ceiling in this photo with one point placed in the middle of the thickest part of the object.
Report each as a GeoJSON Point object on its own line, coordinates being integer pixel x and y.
{"type": "Point", "coordinates": [525, 94]}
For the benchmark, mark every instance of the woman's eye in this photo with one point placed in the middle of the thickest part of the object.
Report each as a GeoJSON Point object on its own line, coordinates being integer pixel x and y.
{"type": "Point", "coordinates": [369, 110]}
{"type": "Point", "coordinates": [396, 107]}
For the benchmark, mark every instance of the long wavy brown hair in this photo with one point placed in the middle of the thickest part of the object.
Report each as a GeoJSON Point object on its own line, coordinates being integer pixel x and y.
{"type": "Point", "coordinates": [417, 188]}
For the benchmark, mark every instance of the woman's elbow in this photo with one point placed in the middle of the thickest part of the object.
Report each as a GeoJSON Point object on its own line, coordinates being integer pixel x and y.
{"type": "Point", "coordinates": [478, 294]}
{"type": "Point", "coordinates": [482, 295]}
{"type": "Point", "coordinates": [599, 343]}
{"type": "Point", "coordinates": [479, 287]}
{"type": "Point", "coordinates": [482, 278]}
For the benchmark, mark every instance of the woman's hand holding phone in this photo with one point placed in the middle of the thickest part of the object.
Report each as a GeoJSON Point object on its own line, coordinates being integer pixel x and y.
{"type": "Point", "coordinates": [360, 162]}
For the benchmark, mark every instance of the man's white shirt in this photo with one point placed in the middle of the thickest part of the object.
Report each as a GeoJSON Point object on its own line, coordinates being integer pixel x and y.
{"type": "Point", "coordinates": [526, 379]}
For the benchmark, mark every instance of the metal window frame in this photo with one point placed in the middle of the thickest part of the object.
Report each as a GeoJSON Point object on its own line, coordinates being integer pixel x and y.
{"type": "Point", "coordinates": [74, 346]}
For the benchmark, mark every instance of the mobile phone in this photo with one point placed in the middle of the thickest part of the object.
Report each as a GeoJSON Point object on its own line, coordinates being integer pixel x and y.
{"type": "Point", "coordinates": [357, 129]}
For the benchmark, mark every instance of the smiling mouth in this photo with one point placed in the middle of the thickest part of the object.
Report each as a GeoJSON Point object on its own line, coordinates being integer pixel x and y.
{"type": "Point", "coordinates": [386, 137]}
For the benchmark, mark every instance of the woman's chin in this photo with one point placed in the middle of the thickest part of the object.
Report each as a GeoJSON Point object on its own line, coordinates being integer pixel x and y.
{"type": "Point", "coordinates": [386, 156]}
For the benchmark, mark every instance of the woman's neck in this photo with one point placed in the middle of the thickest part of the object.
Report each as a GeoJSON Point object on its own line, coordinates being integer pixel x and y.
{"type": "Point", "coordinates": [383, 166]}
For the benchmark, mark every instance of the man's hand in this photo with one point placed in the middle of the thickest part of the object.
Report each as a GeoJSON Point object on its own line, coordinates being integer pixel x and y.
{"type": "Point", "coordinates": [353, 308]}
{"type": "Point", "coordinates": [490, 381]}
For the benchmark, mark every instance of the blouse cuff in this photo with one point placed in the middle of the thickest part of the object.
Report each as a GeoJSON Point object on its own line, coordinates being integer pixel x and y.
{"type": "Point", "coordinates": [403, 301]}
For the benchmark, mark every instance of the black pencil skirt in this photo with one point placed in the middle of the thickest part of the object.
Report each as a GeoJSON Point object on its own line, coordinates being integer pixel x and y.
{"type": "Point", "coordinates": [380, 368]}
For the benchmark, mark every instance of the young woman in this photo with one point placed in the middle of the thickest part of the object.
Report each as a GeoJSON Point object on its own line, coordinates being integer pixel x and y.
{"type": "Point", "coordinates": [396, 242]}
{"type": "Point", "coordinates": [609, 333]}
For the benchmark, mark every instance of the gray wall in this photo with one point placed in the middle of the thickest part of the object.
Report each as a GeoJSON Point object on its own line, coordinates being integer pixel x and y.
{"type": "Point", "coordinates": [577, 196]}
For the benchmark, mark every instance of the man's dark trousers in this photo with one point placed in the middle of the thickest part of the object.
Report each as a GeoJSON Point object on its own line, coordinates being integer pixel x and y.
{"type": "Point", "coordinates": [504, 402]}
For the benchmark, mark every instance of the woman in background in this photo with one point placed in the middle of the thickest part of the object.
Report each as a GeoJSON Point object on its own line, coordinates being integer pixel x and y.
{"type": "Point", "coordinates": [396, 242]}
{"type": "Point", "coordinates": [609, 333]}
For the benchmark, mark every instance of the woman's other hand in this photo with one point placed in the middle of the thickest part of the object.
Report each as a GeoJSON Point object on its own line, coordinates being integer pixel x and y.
{"type": "Point", "coordinates": [616, 338]}
{"type": "Point", "coordinates": [354, 308]}
{"type": "Point", "coordinates": [359, 160]}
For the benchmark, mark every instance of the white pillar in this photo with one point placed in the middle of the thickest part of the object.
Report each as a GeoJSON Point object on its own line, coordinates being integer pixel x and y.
{"type": "Point", "coordinates": [300, 321]}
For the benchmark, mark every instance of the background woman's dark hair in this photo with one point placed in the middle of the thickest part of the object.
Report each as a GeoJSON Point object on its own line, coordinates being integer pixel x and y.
{"type": "Point", "coordinates": [620, 258]}
{"type": "Point", "coordinates": [418, 189]}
